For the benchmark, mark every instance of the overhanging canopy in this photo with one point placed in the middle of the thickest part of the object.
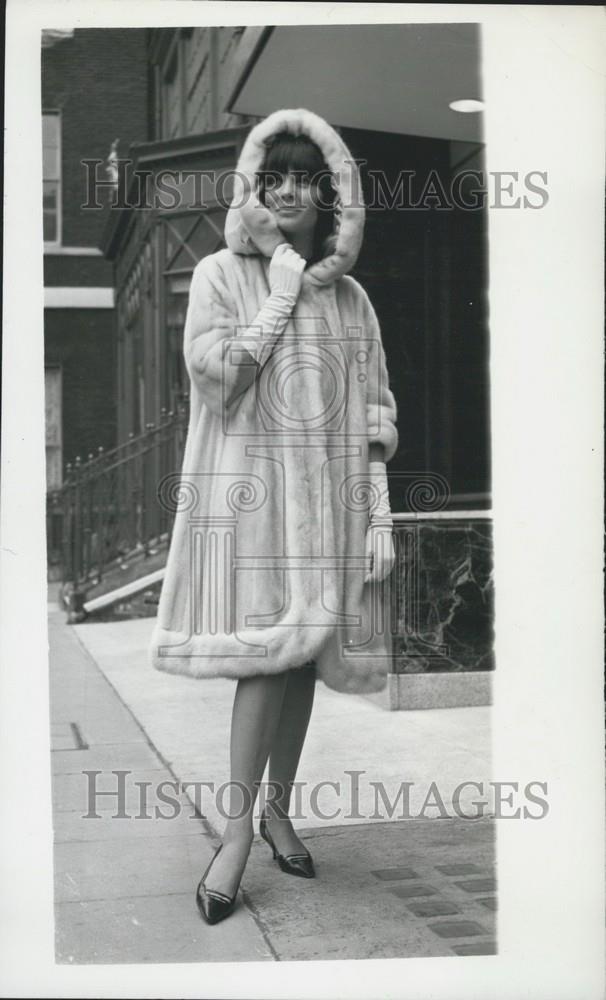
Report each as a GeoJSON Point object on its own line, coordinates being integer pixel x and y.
{"type": "Point", "coordinates": [390, 77]}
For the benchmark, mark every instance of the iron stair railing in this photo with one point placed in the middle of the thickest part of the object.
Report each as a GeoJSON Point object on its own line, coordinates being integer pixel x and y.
{"type": "Point", "coordinates": [108, 508]}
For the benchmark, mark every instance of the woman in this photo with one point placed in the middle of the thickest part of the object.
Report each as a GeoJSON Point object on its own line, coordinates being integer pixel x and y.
{"type": "Point", "coordinates": [283, 533]}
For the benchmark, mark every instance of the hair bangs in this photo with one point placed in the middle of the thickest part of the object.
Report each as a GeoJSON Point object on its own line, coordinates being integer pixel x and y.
{"type": "Point", "coordinates": [290, 153]}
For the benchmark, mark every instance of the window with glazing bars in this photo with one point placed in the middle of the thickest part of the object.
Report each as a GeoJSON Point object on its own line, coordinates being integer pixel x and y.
{"type": "Point", "coordinates": [51, 176]}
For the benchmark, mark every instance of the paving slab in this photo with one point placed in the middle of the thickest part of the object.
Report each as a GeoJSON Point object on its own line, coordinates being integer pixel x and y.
{"type": "Point", "coordinates": [129, 793]}
{"type": "Point", "coordinates": [70, 826]}
{"type": "Point", "coordinates": [147, 866]}
{"type": "Point", "coordinates": [157, 929]}
{"type": "Point", "coordinates": [73, 760]}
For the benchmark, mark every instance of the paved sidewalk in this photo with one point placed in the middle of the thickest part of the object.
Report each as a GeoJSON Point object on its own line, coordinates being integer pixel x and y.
{"type": "Point", "coordinates": [386, 887]}
{"type": "Point", "coordinates": [123, 887]}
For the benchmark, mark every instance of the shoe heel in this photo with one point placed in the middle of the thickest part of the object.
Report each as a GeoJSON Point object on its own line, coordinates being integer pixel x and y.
{"type": "Point", "coordinates": [300, 864]}
{"type": "Point", "coordinates": [266, 836]}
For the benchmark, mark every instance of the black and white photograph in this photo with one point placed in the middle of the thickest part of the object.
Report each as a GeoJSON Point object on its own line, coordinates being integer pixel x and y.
{"type": "Point", "coordinates": [311, 422]}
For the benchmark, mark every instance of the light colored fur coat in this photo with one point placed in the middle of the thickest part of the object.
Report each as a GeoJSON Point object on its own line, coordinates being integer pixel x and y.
{"type": "Point", "coordinates": [266, 565]}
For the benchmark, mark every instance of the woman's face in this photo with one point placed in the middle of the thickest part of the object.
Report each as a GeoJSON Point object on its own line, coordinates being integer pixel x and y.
{"type": "Point", "coordinates": [293, 201]}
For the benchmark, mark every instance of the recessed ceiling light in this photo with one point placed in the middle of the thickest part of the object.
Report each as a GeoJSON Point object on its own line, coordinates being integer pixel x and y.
{"type": "Point", "coordinates": [467, 107]}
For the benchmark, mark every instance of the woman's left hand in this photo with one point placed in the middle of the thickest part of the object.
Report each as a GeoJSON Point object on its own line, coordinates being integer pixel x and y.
{"type": "Point", "coordinates": [380, 553]}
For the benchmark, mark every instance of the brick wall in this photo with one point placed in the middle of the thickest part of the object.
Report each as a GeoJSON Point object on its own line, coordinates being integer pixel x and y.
{"type": "Point", "coordinates": [98, 81]}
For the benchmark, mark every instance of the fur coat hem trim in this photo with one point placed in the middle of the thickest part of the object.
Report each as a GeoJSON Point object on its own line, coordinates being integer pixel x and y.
{"type": "Point", "coordinates": [196, 658]}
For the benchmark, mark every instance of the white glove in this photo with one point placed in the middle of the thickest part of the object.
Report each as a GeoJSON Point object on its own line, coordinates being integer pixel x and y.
{"type": "Point", "coordinates": [379, 553]}
{"type": "Point", "coordinates": [285, 276]}
{"type": "Point", "coordinates": [286, 271]}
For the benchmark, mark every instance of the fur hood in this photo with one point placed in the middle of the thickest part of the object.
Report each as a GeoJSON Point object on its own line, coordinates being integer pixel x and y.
{"type": "Point", "coordinates": [250, 227]}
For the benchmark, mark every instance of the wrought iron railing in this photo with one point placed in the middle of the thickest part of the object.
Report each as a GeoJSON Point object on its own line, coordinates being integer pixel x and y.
{"type": "Point", "coordinates": [108, 507]}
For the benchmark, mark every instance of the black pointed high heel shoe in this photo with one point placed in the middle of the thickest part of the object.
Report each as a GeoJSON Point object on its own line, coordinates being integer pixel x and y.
{"type": "Point", "coordinates": [213, 905]}
{"type": "Point", "coordinates": [292, 864]}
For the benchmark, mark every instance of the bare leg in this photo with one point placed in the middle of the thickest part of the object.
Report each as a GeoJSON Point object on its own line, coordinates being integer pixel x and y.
{"type": "Point", "coordinates": [255, 716]}
{"type": "Point", "coordinates": [285, 755]}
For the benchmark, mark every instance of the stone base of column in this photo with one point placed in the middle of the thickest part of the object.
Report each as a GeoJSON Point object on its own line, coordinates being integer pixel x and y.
{"type": "Point", "coordinates": [435, 690]}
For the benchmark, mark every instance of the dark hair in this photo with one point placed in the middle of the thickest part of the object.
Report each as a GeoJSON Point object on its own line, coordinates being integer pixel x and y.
{"type": "Point", "coordinates": [290, 153]}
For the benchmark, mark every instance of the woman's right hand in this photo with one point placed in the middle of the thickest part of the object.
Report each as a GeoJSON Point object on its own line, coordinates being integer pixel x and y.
{"type": "Point", "coordinates": [286, 271]}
